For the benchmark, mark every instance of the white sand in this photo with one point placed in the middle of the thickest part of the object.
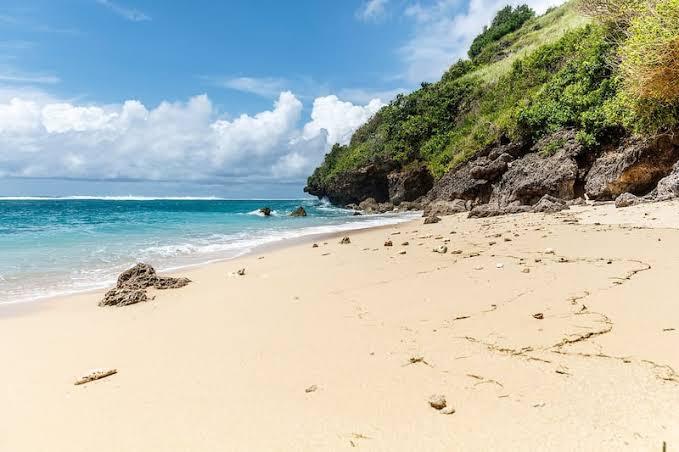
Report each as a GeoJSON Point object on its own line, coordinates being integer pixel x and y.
{"type": "Point", "coordinates": [223, 364]}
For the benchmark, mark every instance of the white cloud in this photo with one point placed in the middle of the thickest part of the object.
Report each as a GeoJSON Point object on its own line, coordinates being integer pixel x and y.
{"type": "Point", "coordinates": [372, 10]}
{"type": "Point", "coordinates": [339, 119]}
{"type": "Point", "coordinates": [443, 33]}
{"type": "Point", "coordinates": [130, 14]}
{"type": "Point", "coordinates": [44, 137]}
{"type": "Point", "coordinates": [261, 86]}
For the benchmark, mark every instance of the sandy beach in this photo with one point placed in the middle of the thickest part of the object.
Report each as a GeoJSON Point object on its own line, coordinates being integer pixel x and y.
{"type": "Point", "coordinates": [543, 332]}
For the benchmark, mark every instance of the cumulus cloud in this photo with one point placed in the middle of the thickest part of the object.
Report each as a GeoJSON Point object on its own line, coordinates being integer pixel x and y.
{"type": "Point", "coordinates": [443, 33]}
{"type": "Point", "coordinates": [44, 137]}
{"type": "Point", "coordinates": [372, 10]}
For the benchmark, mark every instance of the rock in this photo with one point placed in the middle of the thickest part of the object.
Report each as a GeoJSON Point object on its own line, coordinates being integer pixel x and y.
{"type": "Point", "coordinates": [312, 388]}
{"type": "Point", "coordinates": [550, 204]}
{"type": "Point", "coordinates": [388, 243]}
{"type": "Point", "coordinates": [459, 184]}
{"type": "Point", "coordinates": [626, 200]}
{"type": "Point", "coordinates": [345, 241]}
{"type": "Point", "coordinates": [409, 184]}
{"type": "Point", "coordinates": [405, 243]}
{"type": "Point", "coordinates": [668, 187]}
{"type": "Point", "coordinates": [133, 282]}
{"type": "Point", "coordinates": [384, 207]}
{"type": "Point", "coordinates": [539, 173]}
{"type": "Point", "coordinates": [437, 401]}
{"type": "Point", "coordinates": [402, 252]}
{"type": "Point", "coordinates": [369, 205]}
{"type": "Point", "coordinates": [315, 245]}
{"type": "Point", "coordinates": [525, 270]}
{"type": "Point", "coordinates": [490, 171]}
{"type": "Point", "coordinates": [487, 210]}
{"type": "Point", "coordinates": [636, 166]}
{"type": "Point", "coordinates": [298, 212]}
{"type": "Point", "coordinates": [539, 316]}
{"type": "Point", "coordinates": [432, 220]}
{"type": "Point", "coordinates": [447, 410]}
{"type": "Point", "coordinates": [441, 249]}
{"type": "Point", "coordinates": [241, 272]}
{"type": "Point", "coordinates": [368, 181]}
{"type": "Point", "coordinates": [499, 265]}
{"type": "Point", "coordinates": [123, 296]}
{"type": "Point", "coordinates": [445, 207]}
{"type": "Point", "coordinates": [549, 251]}
{"type": "Point", "coordinates": [357, 214]}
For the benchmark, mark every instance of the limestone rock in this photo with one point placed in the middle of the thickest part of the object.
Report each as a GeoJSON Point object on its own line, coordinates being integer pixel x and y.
{"type": "Point", "coordinates": [626, 200]}
{"type": "Point", "coordinates": [432, 220]}
{"type": "Point", "coordinates": [437, 401]}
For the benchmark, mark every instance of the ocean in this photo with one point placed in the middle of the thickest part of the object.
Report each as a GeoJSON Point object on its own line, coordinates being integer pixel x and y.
{"type": "Point", "coordinates": [59, 246]}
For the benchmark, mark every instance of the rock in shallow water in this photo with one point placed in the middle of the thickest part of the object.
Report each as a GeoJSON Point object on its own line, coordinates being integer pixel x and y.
{"type": "Point", "coordinates": [298, 212]}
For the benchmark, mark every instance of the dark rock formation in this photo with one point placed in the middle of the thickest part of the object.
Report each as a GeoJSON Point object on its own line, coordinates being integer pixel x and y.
{"type": "Point", "coordinates": [550, 204]}
{"type": "Point", "coordinates": [132, 284]}
{"type": "Point", "coordinates": [369, 181]}
{"type": "Point", "coordinates": [369, 205]}
{"type": "Point", "coordinates": [459, 184]}
{"type": "Point", "coordinates": [266, 211]}
{"type": "Point", "coordinates": [298, 212]}
{"type": "Point", "coordinates": [538, 173]}
{"type": "Point", "coordinates": [489, 210]}
{"type": "Point", "coordinates": [635, 166]}
{"type": "Point", "coordinates": [409, 184]}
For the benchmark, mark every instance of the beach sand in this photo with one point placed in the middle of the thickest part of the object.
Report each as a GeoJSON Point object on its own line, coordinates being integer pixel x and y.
{"type": "Point", "coordinates": [225, 363]}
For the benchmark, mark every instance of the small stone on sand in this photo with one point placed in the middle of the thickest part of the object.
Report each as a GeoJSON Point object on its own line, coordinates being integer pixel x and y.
{"type": "Point", "coordinates": [499, 265]}
{"type": "Point", "coordinates": [405, 243]}
{"type": "Point", "coordinates": [539, 316]}
{"type": "Point", "coordinates": [525, 270]}
{"type": "Point", "coordinates": [241, 272]}
{"type": "Point", "coordinates": [315, 245]}
{"type": "Point", "coordinates": [437, 401]}
{"type": "Point", "coordinates": [447, 410]}
{"type": "Point", "coordinates": [441, 249]}
{"type": "Point", "coordinates": [402, 252]}
{"type": "Point", "coordinates": [549, 251]}
{"type": "Point", "coordinates": [345, 241]}
{"type": "Point", "coordinates": [388, 243]}
{"type": "Point", "coordinates": [312, 388]}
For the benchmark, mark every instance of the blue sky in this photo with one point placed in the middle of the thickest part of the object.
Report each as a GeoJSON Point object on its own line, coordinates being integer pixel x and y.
{"type": "Point", "coordinates": [229, 98]}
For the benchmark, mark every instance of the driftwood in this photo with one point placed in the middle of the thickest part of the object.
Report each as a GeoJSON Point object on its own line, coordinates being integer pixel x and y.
{"type": "Point", "coordinates": [96, 375]}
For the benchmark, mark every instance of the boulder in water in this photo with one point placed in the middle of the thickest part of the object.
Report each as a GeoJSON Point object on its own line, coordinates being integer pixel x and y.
{"type": "Point", "coordinates": [298, 212]}
{"type": "Point", "coordinates": [266, 211]}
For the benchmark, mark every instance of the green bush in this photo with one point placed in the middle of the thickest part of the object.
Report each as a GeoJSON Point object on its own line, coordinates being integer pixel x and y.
{"type": "Point", "coordinates": [507, 20]}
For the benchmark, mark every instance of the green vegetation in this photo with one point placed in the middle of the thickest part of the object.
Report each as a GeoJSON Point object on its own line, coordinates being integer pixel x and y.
{"type": "Point", "coordinates": [507, 20]}
{"type": "Point", "coordinates": [528, 77]}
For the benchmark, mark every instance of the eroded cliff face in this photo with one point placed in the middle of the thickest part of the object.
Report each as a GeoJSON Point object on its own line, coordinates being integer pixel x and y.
{"type": "Point", "coordinates": [516, 177]}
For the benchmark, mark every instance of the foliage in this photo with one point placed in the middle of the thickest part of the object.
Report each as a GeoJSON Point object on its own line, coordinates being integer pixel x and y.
{"type": "Point", "coordinates": [507, 20]}
{"type": "Point", "coordinates": [555, 71]}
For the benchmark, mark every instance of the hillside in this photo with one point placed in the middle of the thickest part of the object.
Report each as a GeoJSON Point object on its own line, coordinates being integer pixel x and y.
{"type": "Point", "coordinates": [568, 79]}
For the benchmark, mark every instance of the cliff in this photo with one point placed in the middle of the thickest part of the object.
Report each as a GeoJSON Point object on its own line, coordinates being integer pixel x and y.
{"type": "Point", "coordinates": [548, 105]}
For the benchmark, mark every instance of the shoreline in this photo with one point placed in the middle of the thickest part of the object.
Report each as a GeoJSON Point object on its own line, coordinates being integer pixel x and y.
{"type": "Point", "coordinates": [6, 307]}
{"type": "Point", "coordinates": [521, 325]}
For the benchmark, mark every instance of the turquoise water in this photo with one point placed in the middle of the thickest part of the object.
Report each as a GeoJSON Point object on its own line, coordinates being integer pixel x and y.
{"type": "Point", "coordinates": [52, 247]}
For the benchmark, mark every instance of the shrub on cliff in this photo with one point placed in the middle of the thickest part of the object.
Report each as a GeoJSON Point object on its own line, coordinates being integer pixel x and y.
{"type": "Point", "coordinates": [506, 20]}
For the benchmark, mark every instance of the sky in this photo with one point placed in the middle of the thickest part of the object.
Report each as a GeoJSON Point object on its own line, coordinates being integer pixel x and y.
{"type": "Point", "coordinates": [238, 99]}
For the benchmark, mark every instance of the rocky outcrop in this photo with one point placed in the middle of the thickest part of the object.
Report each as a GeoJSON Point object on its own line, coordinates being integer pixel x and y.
{"type": "Point", "coordinates": [459, 184]}
{"type": "Point", "coordinates": [298, 212]}
{"type": "Point", "coordinates": [626, 200]}
{"type": "Point", "coordinates": [409, 184]}
{"type": "Point", "coordinates": [541, 173]}
{"type": "Point", "coordinates": [266, 211]}
{"type": "Point", "coordinates": [132, 284]}
{"type": "Point", "coordinates": [446, 207]}
{"type": "Point", "coordinates": [668, 187]}
{"type": "Point", "coordinates": [635, 166]}
{"type": "Point", "coordinates": [369, 181]}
